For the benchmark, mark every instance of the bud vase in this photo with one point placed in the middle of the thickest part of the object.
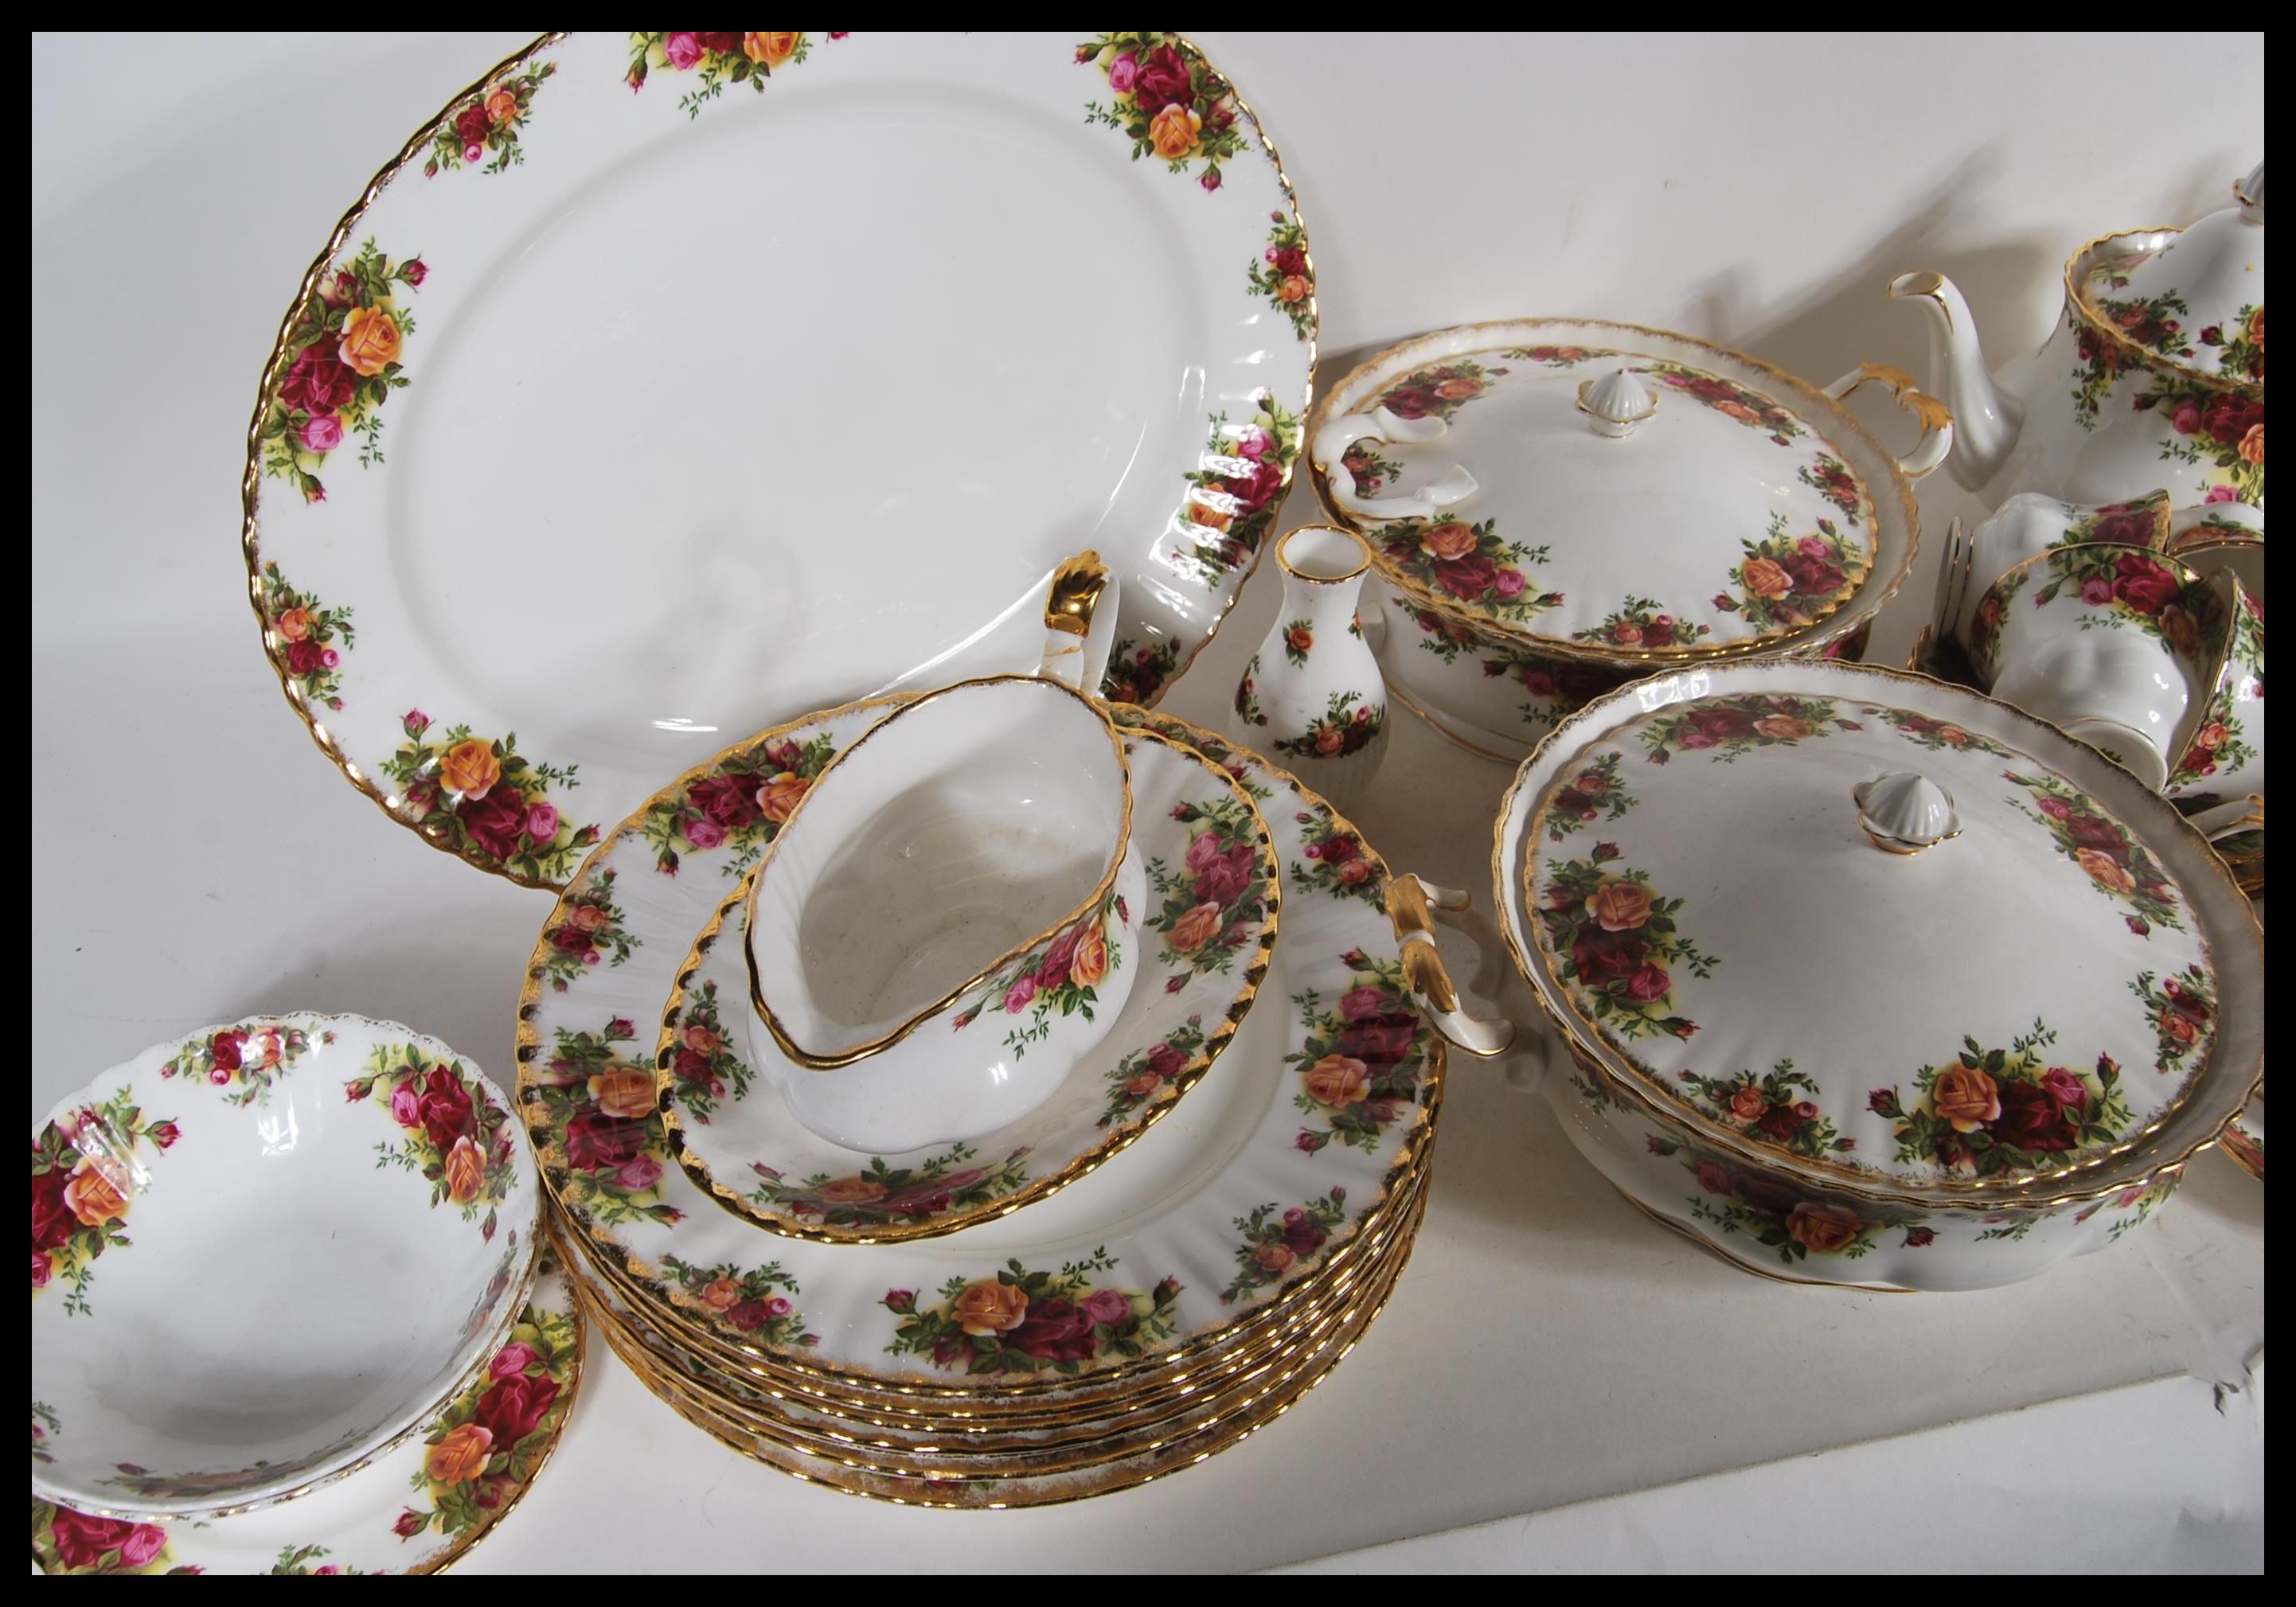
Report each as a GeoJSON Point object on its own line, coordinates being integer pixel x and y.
{"type": "Point", "coordinates": [1312, 698]}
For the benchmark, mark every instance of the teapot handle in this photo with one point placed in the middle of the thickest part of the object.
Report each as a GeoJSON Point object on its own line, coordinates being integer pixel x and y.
{"type": "Point", "coordinates": [1936, 418]}
{"type": "Point", "coordinates": [1334, 440]}
{"type": "Point", "coordinates": [1081, 617]}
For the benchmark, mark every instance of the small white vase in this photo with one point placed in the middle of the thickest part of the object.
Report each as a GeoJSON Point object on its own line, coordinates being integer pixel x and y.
{"type": "Point", "coordinates": [1312, 698]}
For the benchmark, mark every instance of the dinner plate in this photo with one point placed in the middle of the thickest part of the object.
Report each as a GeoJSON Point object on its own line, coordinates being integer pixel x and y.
{"type": "Point", "coordinates": [1210, 924]}
{"type": "Point", "coordinates": [1319, 1107]}
{"type": "Point", "coordinates": [667, 385]}
{"type": "Point", "coordinates": [414, 1511]}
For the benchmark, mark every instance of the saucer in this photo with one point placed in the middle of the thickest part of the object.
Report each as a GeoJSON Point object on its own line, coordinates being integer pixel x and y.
{"type": "Point", "coordinates": [543, 315]}
{"type": "Point", "coordinates": [413, 1510]}
{"type": "Point", "coordinates": [1206, 937]}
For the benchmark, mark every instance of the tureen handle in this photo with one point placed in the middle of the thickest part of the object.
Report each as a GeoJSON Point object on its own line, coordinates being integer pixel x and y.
{"type": "Point", "coordinates": [1079, 622]}
{"type": "Point", "coordinates": [1936, 418]}
{"type": "Point", "coordinates": [1414, 906]}
{"type": "Point", "coordinates": [1331, 443]}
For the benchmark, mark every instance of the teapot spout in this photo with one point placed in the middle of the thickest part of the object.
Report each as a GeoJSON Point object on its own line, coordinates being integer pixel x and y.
{"type": "Point", "coordinates": [1986, 422]}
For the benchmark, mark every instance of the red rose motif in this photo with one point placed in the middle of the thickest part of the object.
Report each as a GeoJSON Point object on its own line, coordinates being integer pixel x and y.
{"type": "Point", "coordinates": [1608, 956]}
{"type": "Point", "coordinates": [1301, 1234]}
{"type": "Point", "coordinates": [2230, 418]}
{"type": "Point", "coordinates": [82, 1542]}
{"type": "Point", "coordinates": [1467, 577]}
{"type": "Point", "coordinates": [44, 1267]}
{"type": "Point", "coordinates": [729, 801]}
{"type": "Point", "coordinates": [1917, 1237]}
{"type": "Point", "coordinates": [318, 380]}
{"type": "Point", "coordinates": [410, 1524]}
{"type": "Point", "coordinates": [1166, 1062]}
{"type": "Point", "coordinates": [2031, 1118]}
{"type": "Point", "coordinates": [496, 824]}
{"type": "Point", "coordinates": [1712, 728]}
{"type": "Point", "coordinates": [1162, 80]}
{"type": "Point", "coordinates": [1224, 880]}
{"type": "Point", "coordinates": [512, 1409]}
{"type": "Point", "coordinates": [596, 1142]}
{"type": "Point", "coordinates": [1055, 1330]}
{"type": "Point", "coordinates": [52, 1221]}
{"type": "Point", "coordinates": [2096, 831]}
{"type": "Point", "coordinates": [2066, 1088]}
{"type": "Point", "coordinates": [724, 44]}
{"type": "Point", "coordinates": [2141, 583]}
{"type": "Point", "coordinates": [750, 1316]}
{"type": "Point", "coordinates": [472, 125]}
{"type": "Point", "coordinates": [1410, 402]}
{"type": "Point", "coordinates": [306, 657]}
{"type": "Point", "coordinates": [1257, 488]}
{"type": "Point", "coordinates": [445, 1107]}
{"type": "Point", "coordinates": [1649, 983]}
{"type": "Point", "coordinates": [1381, 1042]}
{"type": "Point", "coordinates": [1780, 1122]}
{"type": "Point", "coordinates": [1714, 1177]}
{"type": "Point", "coordinates": [1815, 577]}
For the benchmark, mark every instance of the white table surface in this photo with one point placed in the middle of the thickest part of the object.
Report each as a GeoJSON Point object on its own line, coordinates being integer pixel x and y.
{"type": "Point", "coordinates": [193, 860]}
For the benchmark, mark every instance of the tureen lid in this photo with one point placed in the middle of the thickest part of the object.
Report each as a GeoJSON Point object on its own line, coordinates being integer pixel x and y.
{"type": "Point", "coordinates": [2195, 299]}
{"type": "Point", "coordinates": [1866, 925]}
{"type": "Point", "coordinates": [1604, 491]}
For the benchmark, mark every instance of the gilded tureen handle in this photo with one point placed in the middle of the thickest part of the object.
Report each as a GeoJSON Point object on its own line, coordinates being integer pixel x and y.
{"type": "Point", "coordinates": [1082, 593]}
{"type": "Point", "coordinates": [1330, 445]}
{"type": "Point", "coordinates": [1414, 906]}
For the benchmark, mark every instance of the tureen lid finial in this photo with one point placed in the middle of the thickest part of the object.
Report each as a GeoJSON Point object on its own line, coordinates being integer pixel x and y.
{"type": "Point", "coordinates": [1904, 813]}
{"type": "Point", "coordinates": [1616, 402]}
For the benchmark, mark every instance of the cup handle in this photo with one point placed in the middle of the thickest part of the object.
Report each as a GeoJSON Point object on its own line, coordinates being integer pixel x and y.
{"type": "Point", "coordinates": [2213, 522]}
{"type": "Point", "coordinates": [2230, 818]}
{"type": "Point", "coordinates": [1334, 440]}
{"type": "Point", "coordinates": [1936, 418]}
{"type": "Point", "coordinates": [1414, 906]}
{"type": "Point", "coordinates": [1079, 622]}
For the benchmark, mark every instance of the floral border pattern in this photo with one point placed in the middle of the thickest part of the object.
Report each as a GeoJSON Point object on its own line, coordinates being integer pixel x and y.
{"type": "Point", "coordinates": [704, 1069]}
{"type": "Point", "coordinates": [311, 632]}
{"type": "Point", "coordinates": [1021, 1321]}
{"type": "Point", "coordinates": [1167, 100]}
{"type": "Point", "coordinates": [1941, 736]}
{"type": "Point", "coordinates": [581, 1102]}
{"type": "Point", "coordinates": [744, 801]}
{"type": "Point", "coordinates": [1143, 1076]}
{"type": "Point", "coordinates": [1234, 493]}
{"type": "Point", "coordinates": [756, 1305]}
{"type": "Point", "coordinates": [1274, 1246]}
{"type": "Point", "coordinates": [880, 1194]}
{"type": "Point", "coordinates": [1614, 938]}
{"type": "Point", "coordinates": [1725, 727]}
{"type": "Point", "coordinates": [1283, 277]}
{"type": "Point", "coordinates": [1338, 863]}
{"type": "Point", "coordinates": [246, 1060]}
{"type": "Point", "coordinates": [483, 132]}
{"type": "Point", "coordinates": [1596, 793]}
{"type": "Point", "coordinates": [457, 1139]}
{"type": "Point", "coordinates": [483, 800]}
{"type": "Point", "coordinates": [1347, 725]}
{"type": "Point", "coordinates": [1471, 563]}
{"type": "Point", "coordinates": [1786, 581]}
{"type": "Point", "coordinates": [490, 1440]}
{"type": "Point", "coordinates": [345, 349]}
{"type": "Point", "coordinates": [2183, 1009]}
{"type": "Point", "coordinates": [1216, 898]}
{"type": "Point", "coordinates": [1365, 1054]}
{"type": "Point", "coordinates": [2120, 867]}
{"type": "Point", "coordinates": [1992, 1113]}
{"type": "Point", "coordinates": [715, 60]}
{"type": "Point", "coordinates": [83, 1183]}
{"type": "Point", "coordinates": [1643, 622]}
{"type": "Point", "coordinates": [1061, 977]}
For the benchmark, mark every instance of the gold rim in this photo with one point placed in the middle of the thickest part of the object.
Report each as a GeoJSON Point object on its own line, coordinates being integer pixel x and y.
{"type": "Point", "coordinates": [1589, 1053]}
{"type": "Point", "coordinates": [1025, 1492]}
{"type": "Point", "coordinates": [417, 143]}
{"type": "Point", "coordinates": [1094, 1443]}
{"type": "Point", "coordinates": [1444, 731]}
{"type": "Point", "coordinates": [1845, 619]}
{"type": "Point", "coordinates": [989, 1416]}
{"type": "Point", "coordinates": [1091, 903]}
{"type": "Point", "coordinates": [1255, 972]}
{"type": "Point", "coordinates": [2082, 265]}
{"type": "Point", "coordinates": [1363, 552]}
{"type": "Point", "coordinates": [656, 1296]}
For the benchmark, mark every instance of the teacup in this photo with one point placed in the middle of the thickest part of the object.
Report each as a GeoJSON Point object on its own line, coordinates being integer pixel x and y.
{"type": "Point", "coordinates": [2107, 643]}
{"type": "Point", "coordinates": [2030, 524]}
{"type": "Point", "coordinates": [949, 920]}
{"type": "Point", "coordinates": [2220, 749]}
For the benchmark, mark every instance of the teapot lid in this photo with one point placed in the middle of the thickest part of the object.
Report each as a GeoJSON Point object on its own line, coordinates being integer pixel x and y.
{"type": "Point", "coordinates": [2193, 298]}
{"type": "Point", "coordinates": [1849, 921]}
{"type": "Point", "coordinates": [1601, 491]}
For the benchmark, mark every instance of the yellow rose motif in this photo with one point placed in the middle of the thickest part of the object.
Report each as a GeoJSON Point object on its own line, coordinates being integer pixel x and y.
{"type": "Point", "coordinates": [502, 106]}
{"type": "Point", "coordinates": [1338, 1079]}
{"type": "Point", "coordinates": [295, 623]}
{"type": "Point", "coordinates": [851, 1190]}
{"type": "Point", "coordinates": [1091, 961]}
{"type": "Point", "coordinates": [97, 1191]}
{"type": "Point", "coordinates": [770, 50]}
{"type": "Point", "coordinates": [1293, 289]}
{"type": "Point", "coordinates": [1173, 131]}
{"type": "Point", "coordinates": [1448, 542]}
{"type": "Point", "coordinates": [699, 1039]}
{"type": "Point", "coordinates": [778, 798]}
{"type": "Point", "coordinates": [720, 1294]}
{"type": "Point", "coordinates": [1195, 929]}
{"type": "Point", "coordinates": [2251, 446]}
{"type": "Point", "coordinates": [1210, 517]}
{"type": "Point", "coordinates": [1765, 577]}
{"type": "Point", "coordinates": [370, 340]}
{"type": "Point", "coordinates": [1824, 1229]}
{"type": "Point", "coordinates": [1620, 906]}
{"type": "Point", "coordinates": [990, 1307]}
{"type": "Point", "coordinates": [1967, 1097]}
{"type": "Point", "coordinates": [469, 769]}
{"type": "Point", "coordinates": [2256, 326]}
{"type": "Point", "coordinates": [460, 1455]}
{"type": "Point", "coordinates": [1274, 1257]}
{"type": "Point", "coordinates": [465, 1171]}
{"type": "Point", "coordinates": [1784, 727]}
{"type": "Point", "coordinates": [623, 1091]}
{"type": "Point", "coordinates": [2104, 870]}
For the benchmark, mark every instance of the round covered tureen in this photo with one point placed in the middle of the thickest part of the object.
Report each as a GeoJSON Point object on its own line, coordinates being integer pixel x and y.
{"type": "Point", "coordinates": [1869, 979]}
{"type": "Point", "coordinates": [1564, 504]}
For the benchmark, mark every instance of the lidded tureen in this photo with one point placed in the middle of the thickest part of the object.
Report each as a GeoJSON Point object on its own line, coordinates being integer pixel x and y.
{"type": "Point", "coordinates": [2154, 376]}
{"type": "Point", "coordinates": [1870, 979]}
{"type": "Point", "coordinates": [1564, 504]}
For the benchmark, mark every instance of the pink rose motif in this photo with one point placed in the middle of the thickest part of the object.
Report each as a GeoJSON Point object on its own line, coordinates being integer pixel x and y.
{"type": "Point", "coordinates": [42, 1268]}
{"type": "Point", "coordinates": [1210, 180]}
{"type": "Point", "coordinates": [684, 50]}
{"type": "Point", "coordinates": [322, 432]}
{"type": "Point", "coordinates": [703, 833]}
{"type": "Point", "coordinates": [1021, 995]}
{"type": "Point", "coordinates": [406, 1105]}
{"type": "Point", "coordinates": [1357, 1003]}
{"type": "Point", "coordinates": [640, 1175]}
{"type": "Point", "coordinates": [542, 822]}
{"type": "Point", "coordinates": [1107, 1307]}
{"type": "Point", "coordinates": [1509, 584]}
{"type": "Point", "coordinates": [1123, 72]}
{"type": "Point", "coordinates": [2096, 590]}
{"type": "Point", "coordinates": [510, 1360]}
{"type": "Point", "coordinates": [414, 722]}
{"type": "Point", "coordinates": [1714, 1177]}
{"type": "Point", "coordinates": [415, 273]}
{"type": "Point", "coordinates": [2222, 494]}
{"type": "Point", "coordinates": [2056, 809]}
{"type": "Point", "coordinates": [2065, 1087]}
{"type": "Point", "coordinates": [2187, 418]}
{"type": "Point", "coordinates": [1253, 444]}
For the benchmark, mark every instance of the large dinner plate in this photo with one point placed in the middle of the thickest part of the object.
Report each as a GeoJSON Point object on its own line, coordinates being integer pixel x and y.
{"type": "Point", "coordinates": [666, 386]}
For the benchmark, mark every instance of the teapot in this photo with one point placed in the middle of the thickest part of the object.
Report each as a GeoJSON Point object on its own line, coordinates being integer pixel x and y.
{"type": "Point", "coordinates": [2154, 378]}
